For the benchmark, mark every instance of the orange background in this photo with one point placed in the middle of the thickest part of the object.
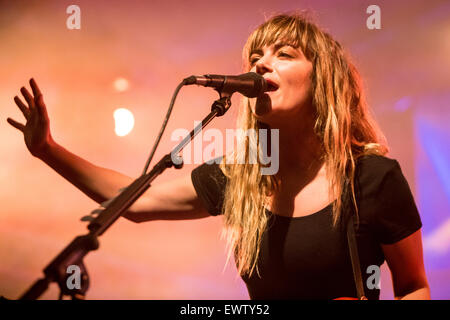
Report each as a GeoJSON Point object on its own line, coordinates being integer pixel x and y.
{"type": "Point", "coordinates": [154, 45]}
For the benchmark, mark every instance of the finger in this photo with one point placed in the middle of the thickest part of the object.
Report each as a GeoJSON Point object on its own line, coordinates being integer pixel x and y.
{"type": "Point", "coordinates": [40, 106]}
{"type": "Point", "coordinates": [28, 97]}
{"type": "Point", "coordinates": [16, 124]}
{"type": "Point", "coordinates": [35, 88]}
{"type": "Point", "coordinates": [38, 98]}
{"type": "Point", "coordinates": [22, 107]}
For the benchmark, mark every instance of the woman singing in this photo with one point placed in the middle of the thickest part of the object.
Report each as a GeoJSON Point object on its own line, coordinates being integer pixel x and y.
{"type": "Point", "coordinates": [286, 231]}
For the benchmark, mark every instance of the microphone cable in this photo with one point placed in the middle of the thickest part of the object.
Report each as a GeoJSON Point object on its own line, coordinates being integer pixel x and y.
{"type": "Point", "coordinates": [163, 127]}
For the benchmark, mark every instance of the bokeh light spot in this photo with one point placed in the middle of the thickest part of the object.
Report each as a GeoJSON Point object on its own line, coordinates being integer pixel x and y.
{"type": "Point", "coordinates": [124, 121]}
{"type": "Point", "coordinates": [121, 84]}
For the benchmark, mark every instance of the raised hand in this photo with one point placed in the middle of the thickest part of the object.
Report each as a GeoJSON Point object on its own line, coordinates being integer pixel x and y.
{"type": "Point", "coordinates": [36, 130]}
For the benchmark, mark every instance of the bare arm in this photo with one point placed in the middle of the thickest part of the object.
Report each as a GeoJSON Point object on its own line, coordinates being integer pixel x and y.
{"type": "Point", "coordinates": [405, 260]}
{"type": "Point", "coordinates": [173, 200]}
{"type": "Point", "coordinates": [99, 184]}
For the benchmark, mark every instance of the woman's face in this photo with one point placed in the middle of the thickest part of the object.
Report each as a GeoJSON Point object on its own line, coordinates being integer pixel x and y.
{"type": "Point", "coordinates": [288, 74]}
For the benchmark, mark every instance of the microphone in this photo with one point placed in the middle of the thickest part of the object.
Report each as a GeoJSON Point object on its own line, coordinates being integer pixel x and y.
{"type": "Point", "coordinates": [249, 84]}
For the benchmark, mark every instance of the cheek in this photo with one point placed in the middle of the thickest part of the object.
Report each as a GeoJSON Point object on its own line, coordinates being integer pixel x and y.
{"type": "Point", "coordinates": [300, 86]}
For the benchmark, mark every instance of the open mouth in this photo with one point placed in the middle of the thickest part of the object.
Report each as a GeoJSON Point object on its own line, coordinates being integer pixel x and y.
{"type": "Point", "coordinates": [271, 86]}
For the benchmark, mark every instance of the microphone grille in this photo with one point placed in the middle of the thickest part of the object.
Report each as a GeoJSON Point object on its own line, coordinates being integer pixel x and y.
{"type": "Point", "coordinates": [259, 81]}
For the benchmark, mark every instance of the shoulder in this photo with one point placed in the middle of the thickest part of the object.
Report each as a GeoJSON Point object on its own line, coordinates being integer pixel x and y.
{"type": "Point", "coordinates": [375, 164]}
{"type": "Point", "coordinates": [209, 171]}
{"type": "Point", "coordinates": [373, 170]}
{"type": "Point", "coordinates": [385, 199]}
{"type": "Point", "coordinates": [209, 182]}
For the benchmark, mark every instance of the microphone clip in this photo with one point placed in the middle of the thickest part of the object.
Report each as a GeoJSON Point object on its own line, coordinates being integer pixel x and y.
{"type": "Point", "coordinates": [223, 104]}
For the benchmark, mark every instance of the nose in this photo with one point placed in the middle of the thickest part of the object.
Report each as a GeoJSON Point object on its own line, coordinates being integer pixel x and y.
{"type": "Point", "coordinates": [263, 66]}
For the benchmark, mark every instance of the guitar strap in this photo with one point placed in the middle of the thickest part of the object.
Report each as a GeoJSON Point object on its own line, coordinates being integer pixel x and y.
{"type": "Point", "coordinates": [351, 239]}
{"type": "Point", "coordinates": [354, 258]}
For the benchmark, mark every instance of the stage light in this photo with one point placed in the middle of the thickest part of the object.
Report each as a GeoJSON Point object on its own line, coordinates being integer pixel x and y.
{"type": "Point", "coordinates": [124, 121]}
{"type": "Point", "coordinates": [121, 84]}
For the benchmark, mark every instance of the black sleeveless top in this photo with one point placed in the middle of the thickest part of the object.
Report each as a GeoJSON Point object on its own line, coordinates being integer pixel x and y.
{"type": "Point", "coordinates": [305, 257]}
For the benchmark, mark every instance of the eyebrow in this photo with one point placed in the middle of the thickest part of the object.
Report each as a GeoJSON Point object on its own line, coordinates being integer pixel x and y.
{"type": "Point", "coordinates": [276, 47]}
{"type": "Point", "coordinates": [279, 45]}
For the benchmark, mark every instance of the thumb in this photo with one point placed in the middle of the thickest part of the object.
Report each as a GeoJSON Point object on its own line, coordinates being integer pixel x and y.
{"type": "Point", "coordinates": [16, 124]}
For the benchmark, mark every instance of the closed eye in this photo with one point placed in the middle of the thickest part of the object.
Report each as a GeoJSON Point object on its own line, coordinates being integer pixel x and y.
{"type": "Point", "coordinates": [284, 54]}
{"type": "Point", "coordinates": [254, 59]}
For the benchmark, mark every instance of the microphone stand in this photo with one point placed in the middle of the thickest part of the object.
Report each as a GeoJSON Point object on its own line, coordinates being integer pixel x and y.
{"type": "Point", "coordinates": [73, 254]}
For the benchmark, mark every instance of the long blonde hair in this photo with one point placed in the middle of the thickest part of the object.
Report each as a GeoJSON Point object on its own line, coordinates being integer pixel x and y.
{"type": "Point", "coordinates": [343, 125]}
